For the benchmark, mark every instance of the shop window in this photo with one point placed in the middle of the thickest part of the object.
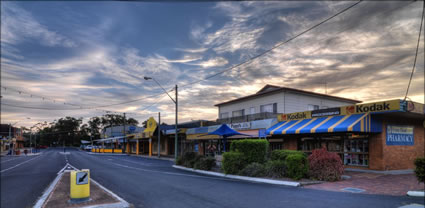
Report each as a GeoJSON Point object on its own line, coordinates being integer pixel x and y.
{"type": "Point", "coordinates": [275, 146]}
{"type": "Point", "coordinates": [238, 113]}
{"type": "Point", "coordinates": [356, 152]}
{"type": "Point", "coordinates": [224, 115]}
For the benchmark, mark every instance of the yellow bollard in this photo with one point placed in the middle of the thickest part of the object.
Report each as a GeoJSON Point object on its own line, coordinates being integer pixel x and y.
{"type": "Point", "coordinates": [80, 186]}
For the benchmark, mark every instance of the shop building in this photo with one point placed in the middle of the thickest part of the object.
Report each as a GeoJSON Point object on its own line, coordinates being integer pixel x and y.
{"type": "Point", "coordinates": [385, 135]}
{"type": "Point", "coordinates": [271, 100]}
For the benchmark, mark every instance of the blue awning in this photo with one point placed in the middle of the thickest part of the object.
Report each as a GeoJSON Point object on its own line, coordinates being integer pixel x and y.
{"type": "Point", "coordinates": [348, 123]}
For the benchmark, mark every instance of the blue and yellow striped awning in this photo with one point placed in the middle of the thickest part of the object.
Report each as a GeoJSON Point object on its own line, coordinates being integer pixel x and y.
{"type": "Point", "coordinates": [347, 123]}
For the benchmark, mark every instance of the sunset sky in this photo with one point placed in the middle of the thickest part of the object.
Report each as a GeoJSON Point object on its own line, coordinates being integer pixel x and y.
{"type": "Point", "coordinates": [97, 53]}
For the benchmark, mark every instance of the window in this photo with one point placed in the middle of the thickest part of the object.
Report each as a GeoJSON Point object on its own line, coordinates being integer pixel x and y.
{"type": "Point", "coordinates": [238, 113]}
{"type": "Point", "coordinates": [356, 152]}
{"type": "Point", "coordinates": [252, 110]}
{"type": "Point", "coordinates": [270, 108]}
{"type": "Point", "coordinates": [275, 146]}
{"type": "Point", "coordinates": [313, 107]}
{"type": "Point", "coordinates": [325, 107]}
{"type": "Point", "coordinates": [224, 115]}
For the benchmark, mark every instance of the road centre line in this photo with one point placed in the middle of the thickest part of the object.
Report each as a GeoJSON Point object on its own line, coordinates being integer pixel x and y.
{"type": "Point", "coordinates": [18, 164]}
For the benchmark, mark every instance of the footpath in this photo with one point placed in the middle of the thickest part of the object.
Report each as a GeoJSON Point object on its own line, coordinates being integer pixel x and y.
{"type": "Point", "coordinates": [353, 181]}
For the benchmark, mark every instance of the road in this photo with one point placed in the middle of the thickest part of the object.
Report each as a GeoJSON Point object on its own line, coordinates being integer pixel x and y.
{"type": "Point", "coordinates": [154, 183]}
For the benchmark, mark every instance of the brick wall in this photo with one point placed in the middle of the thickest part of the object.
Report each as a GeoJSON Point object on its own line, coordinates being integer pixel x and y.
{"type": "Point", "coordinates": [290, 143]}
{"type": "Point", "coordinates": [384, 157]}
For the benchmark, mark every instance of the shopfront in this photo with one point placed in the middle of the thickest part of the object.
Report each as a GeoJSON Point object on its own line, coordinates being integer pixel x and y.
{"type": "Point", "coordinates": [385, 135]}
{"type": "Point", "coordinates": [213, 145]}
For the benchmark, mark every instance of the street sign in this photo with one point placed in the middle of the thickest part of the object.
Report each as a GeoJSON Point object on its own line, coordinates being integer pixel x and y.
{"type": "Point", "coordinates": [82, 178]}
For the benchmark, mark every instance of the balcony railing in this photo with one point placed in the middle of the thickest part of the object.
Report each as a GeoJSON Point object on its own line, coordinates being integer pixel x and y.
{"type": "Point", "coordinates": [247, 118]}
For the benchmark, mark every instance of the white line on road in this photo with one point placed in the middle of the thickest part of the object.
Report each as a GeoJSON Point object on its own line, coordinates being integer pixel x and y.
{"type": "Point", "coordinates": [11, 159]}
{"type": "Point", "coordinates": [171, 173]}
{"type": "Point", "coordinates": [18, 164]}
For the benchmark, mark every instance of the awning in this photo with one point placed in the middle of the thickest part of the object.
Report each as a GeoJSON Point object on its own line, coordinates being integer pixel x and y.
{"type": "Point", "coordinates": [347, 123]}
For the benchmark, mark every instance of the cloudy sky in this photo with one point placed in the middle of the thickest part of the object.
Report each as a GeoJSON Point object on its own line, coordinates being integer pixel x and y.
{"type": "Point", "coordinates": [96, 53]}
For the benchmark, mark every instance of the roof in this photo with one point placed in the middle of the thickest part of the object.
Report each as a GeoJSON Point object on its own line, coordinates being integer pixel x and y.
{"type": "Point", "coordinates": [269, 89]}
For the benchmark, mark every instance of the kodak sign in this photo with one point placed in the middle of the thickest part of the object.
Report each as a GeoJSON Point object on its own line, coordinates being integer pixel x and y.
{"type": "Point", "coordinates": [390, 105]}
{"type": "Point", "coordinates": [294, 116]}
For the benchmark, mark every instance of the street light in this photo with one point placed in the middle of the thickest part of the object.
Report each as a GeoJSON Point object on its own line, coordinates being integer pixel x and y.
{"type": "Point", "coordinates": [175, 102]}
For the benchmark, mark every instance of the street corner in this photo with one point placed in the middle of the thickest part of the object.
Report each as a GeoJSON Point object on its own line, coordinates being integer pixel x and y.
{"type": "Point", "coordinates": [77, 189]}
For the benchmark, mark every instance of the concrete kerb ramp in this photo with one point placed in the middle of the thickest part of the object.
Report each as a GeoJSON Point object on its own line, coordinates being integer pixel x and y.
{"type": "Point", "coordinates": [57, 194]}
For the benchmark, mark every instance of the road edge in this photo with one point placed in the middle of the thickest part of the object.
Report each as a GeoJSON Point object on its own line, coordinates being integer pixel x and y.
{"type": "Point", "coordinates": [243, 178]}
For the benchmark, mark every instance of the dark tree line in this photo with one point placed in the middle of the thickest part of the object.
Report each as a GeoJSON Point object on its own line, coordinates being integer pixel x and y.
{"type": "Point", "coordinates": [70, 131]}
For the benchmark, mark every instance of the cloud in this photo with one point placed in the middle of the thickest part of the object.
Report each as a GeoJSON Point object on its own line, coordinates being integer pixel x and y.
{"type": "Point", "coordinates": [18, 25]}
{"type": "Point", "coordinates": [214, 62]}
{"type": "Point", "coordinates": [192, 50]}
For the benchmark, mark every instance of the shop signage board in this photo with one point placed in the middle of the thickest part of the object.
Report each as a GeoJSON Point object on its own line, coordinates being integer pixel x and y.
{"type": "Point", "coordinates": [391, 105]}
{"type": "Point", "coordinates": [399, 135]}
{"type": "Point", "coordinates": [326, 112]}
{"type": "Point", "coordinates": [243, 125]}
{"type": "Point", "coordinates": [150, 127]}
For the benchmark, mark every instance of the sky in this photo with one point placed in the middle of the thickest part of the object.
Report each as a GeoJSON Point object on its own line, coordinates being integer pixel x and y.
{"type": "Point", "coordinates": [93, 54]}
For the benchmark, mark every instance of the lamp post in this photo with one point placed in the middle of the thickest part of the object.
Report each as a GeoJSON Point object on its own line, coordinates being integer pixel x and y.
{"type": "Point", "coordinates": [175, 102]}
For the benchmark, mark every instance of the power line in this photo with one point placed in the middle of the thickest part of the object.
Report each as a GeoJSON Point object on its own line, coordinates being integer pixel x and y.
{"type": "Point", "coordinates": [416, 54]}
{"type": "Point", "coordinates": [272, 48]}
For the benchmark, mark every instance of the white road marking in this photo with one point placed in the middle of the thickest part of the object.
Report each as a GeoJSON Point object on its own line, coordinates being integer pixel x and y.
{"type": "Point", "coordinates": [18, 164]}
{"type": "Point", "coordinates": [171, 173]}
{"type": "Point", "coordinates": [11, 159]}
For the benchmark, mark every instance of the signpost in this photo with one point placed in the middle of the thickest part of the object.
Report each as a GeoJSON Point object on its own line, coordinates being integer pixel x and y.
{"type": "Point", "coordinates": [399, 135]}
{"type": "Point", "coordinates": [80, 186]}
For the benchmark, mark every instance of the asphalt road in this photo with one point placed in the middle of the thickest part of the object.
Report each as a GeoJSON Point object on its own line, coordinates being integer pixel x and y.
{"type": "Point", "coordinates": [154, 183]}
{"type": "Point", "coordinates": [23, 179]}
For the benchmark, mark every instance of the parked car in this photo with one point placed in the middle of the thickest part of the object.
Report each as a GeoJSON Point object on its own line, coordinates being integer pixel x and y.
{"type": "Point", "coordinates": [88, 148]}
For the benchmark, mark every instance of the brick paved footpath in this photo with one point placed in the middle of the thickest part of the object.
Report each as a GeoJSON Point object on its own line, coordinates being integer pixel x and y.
{"type": "Point", "coordinates": [374, 183]}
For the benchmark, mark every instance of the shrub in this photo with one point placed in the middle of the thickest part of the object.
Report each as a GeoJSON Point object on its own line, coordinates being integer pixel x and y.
{"type": "Point", "coordinates": [253, 170]}
{"type": "Point", "coordinates": [420, 169]}
{"type": "Point", "coordinates": [254, 150]}
{"type": "Point", "coordinates": [205, 163]}
{"type": "Point", "coordinates": [179, 160]}
{"type": "Point", "coordinates": [282, 154]}
{"type": "Point", "coordinates": [296, 166]}
{"type": "Point", "coordinates": [233, 162]}
{"type": "Point", "coordinates": [189, 159]}
{"type": "Point", "coordinates": [324, 165]}
{"type": "Point", "coordinates": [275, 168]}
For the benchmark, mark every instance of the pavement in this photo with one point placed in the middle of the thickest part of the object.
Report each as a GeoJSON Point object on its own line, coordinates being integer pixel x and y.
{"type": "Point", "coordinates": [374, 183]}
{"type": "Point", "coordinates": [145, 182]}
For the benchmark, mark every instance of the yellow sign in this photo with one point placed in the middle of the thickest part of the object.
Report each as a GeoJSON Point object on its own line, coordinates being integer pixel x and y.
{"type": "Point", "coordinates": [391, 105]}
{"type": "Point", "coordinates": [201, 136]}
{"type": "Point", "coordinates": [80, 184]}
{"type": "Point", "coordinates": [371, 107]}
{"type": "Point", "coordinates": [294, 116]}
{"type": "Point", "coordinates": [151, 126]}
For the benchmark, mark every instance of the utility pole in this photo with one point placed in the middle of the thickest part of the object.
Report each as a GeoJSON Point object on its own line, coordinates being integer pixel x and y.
{"type": "Point", "coordinates": [177, 133]}
{"type": "Point", "coordinates": [159, 134]}
{"type": "Point", "coordinates": [124, 139]}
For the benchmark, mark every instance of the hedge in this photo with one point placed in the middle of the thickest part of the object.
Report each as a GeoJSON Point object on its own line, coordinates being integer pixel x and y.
{"type": "Point", "coordinates": [420, 169]}
{"type": "Point", "coordinates": [205, 163]}
{"type": "Point", "coordinates": [296, 166]}
{"type": "Point", "coordinates": [325, 166]}
{"type": "Point", "coordinates": [254, 150]}
{"type": "Point", "coordinates": [282, 154]}
{"type": "Point", "coordinates": [253, 170]}
{"type": "Point", "coordinates": [233, 162]}
{"type": "Point", "coordinates": [275, 168]}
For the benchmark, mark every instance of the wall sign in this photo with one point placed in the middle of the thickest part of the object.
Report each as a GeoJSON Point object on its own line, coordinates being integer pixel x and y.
{"type": "Point", "coordinates": [326, 112]}
{"type": "Point", "coordinates": [400, 135]}
{"type": "Point", "coordinates": [244, 125]}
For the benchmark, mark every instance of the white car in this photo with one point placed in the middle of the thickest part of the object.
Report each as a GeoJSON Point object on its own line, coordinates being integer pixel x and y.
{"type": "Point", "coordinates": [88, 148]}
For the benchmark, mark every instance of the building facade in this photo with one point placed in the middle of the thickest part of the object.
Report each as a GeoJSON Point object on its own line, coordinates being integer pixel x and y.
{"type": "Point", "coordinates": [274, 99]}
{"type": "Point", "coordinates": [385, 135]}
